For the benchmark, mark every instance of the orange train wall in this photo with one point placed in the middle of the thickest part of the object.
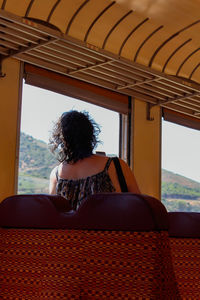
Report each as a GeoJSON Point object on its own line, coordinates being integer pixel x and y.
{"type": "Point", "coordinates": [10, 87]}
{"type": "Point", "coordinates": [146, 148]}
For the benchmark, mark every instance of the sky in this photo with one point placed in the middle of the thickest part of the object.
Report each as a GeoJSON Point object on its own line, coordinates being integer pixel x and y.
{"type": "Point", "coordinates": [41, 109]}
{"type": "Point", "coordinates": [181, 150]}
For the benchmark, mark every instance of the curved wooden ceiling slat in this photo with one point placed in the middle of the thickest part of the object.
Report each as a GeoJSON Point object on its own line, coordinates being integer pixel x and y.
{"type": "Point", "coordinates": [173, 53]}
{"type": "Point", "coordinates": [104, 25]}
{"type": "Point", "coordinates": [75, 14]}
{"type": "Point", "coordinates": [130, 34]}
{"type": "Point", "coordinates": [169, 39]}
{"type": "Point", "coordinates": [115, 26]}
{"type": "Point", "coordinates": [113, 43]}
{"type": "Point", "coordinates": [3, 4]}
{"type": "Point", "coordinates": [180, 53]}
{"type": "Point", "coordinates": [194, 71]}
{"type": "Point", "coordinates": [145, 40]}
{"type": "Point", "coordinates": [97, 18]}
{"type": "Point", "coordinates": [29, 8]}
{"type": "Point", "coordinates": [52, 10]}
{"type": "Point", "coordinates": [41, 9]}
{"type": "Point", "coordinates": [185, 61]}
{"type": "Point", "coordinates": [140, 37]}
{"type": "Point", "coordinates": [14, 7]}
{"type": "Point", "coordinates": [83, 19]}
{"type": "Point", "coordinates": [150, 45]}
{"type": "Point", "coordinates": [177, 58]}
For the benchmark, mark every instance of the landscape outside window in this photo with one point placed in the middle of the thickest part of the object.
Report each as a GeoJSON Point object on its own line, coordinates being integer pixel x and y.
{"type": "Point", "coordinates": [180, 168]}
{"type": "Point", "coordinates": [40, 110]}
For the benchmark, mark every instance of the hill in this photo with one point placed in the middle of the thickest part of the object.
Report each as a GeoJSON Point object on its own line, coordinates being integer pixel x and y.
{"type": "Point", "coordinates": [35, 158]}
{"type": "Point", "coordinates": [180, 193]}
{"type": "Point", "coordinates": [170, 177]}
{"type": "Point", "coordinates": [36, 162]}
{"type": "Point", "coordinates": [177, 186]}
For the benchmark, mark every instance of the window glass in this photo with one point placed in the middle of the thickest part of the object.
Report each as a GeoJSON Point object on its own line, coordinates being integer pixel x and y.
{"type": "Point", "coordinates": [40, 110]}
{"type": "Point", "coordinates": [180, 168]}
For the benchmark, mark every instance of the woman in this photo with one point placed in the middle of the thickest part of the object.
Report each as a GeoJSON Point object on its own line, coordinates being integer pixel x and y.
{"type": "Point", "coordinates": [80, 172]}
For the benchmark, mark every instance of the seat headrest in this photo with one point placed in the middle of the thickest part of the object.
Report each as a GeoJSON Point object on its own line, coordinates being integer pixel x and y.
{"type": "Point", "coordinates": [34, 211]}
{"type": "Point", "coordinates": [184, 224]}
{"type": "Point", "coordinates": [106, 211]}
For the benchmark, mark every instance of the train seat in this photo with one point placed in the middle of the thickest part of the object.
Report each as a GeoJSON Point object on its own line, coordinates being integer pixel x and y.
{"type": "Point", "coordinates": [184, 231]}
{"type": "Point", "coordinates": [115, 246]}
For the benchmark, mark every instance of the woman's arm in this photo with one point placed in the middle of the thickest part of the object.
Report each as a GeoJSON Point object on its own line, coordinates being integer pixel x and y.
{"type": "Point", "coordinates": [130, 178]}
{"type": "Point", "coordinates": [53, 181]}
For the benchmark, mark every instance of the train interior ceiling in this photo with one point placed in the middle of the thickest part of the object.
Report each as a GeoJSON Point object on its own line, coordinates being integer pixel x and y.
{"type": "Point", "coordinates": [80, 39]}
{"type": "Point", "coordinates": [118, 50]}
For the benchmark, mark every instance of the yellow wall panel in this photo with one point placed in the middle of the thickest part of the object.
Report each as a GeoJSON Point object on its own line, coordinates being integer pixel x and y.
{"type": "Point", "coordinates": [10, 87]}
{"type": "Point", "coordinates": [147, 149]}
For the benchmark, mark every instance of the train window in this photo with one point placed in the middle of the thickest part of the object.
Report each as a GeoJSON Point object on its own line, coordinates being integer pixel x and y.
{"type": "Point", "coordinates": [180, 168]}
{"type": "Point", "coordinates": [40, 109]}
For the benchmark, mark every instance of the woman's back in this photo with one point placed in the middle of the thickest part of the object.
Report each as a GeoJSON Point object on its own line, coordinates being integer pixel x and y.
{"type": "Point", "coordinates": [78, 181]}
{"type": "Point", "coordinates": [94, 174]}
{"type": "Point", "coordinates": [83, 168]}
{"type": "Point", "coordinates": [82, 173]}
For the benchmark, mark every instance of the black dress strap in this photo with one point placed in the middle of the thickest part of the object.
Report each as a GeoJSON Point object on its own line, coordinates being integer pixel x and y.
{"type": "Point", "coordinates": [120, 175]}
{"type": "Point", "coordinates": [108, 163]}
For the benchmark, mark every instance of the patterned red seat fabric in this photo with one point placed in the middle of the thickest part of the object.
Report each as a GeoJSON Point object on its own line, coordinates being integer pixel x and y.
{"type": "Point", "coordinates": [184, 231]}
{"type": "Point", "coordinates": [115, 246]}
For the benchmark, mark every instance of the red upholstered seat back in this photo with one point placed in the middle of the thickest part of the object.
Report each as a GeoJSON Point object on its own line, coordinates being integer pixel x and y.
{"type": "Point", "coordinates": [184, 230]}
{"type": "Point", "coordinates": [121, 252]}
{"type": "Point", "coordinates": [106, 211]}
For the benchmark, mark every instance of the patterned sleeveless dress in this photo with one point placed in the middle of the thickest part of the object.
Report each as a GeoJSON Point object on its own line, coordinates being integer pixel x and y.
{"type": "Point", "coordinates": [76, 190]}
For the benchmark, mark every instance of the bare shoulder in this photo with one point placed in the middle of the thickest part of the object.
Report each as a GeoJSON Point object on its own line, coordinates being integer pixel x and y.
{"type": "Point", "coordinates": [99, 160]}
{"type": "Point", "coordinates": [123, 163]}
{"type": "Point", "coordinates": [125, 166]}
{"type": "Point", "coordinates": [99, 157]}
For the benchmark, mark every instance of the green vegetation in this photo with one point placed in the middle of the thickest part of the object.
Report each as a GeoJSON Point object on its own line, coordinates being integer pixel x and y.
{"type": "Point", "coordinates": [35, 158]}
{"type": "Point", "coordinates": [36, 162]}
{"type": "Point", "coordinates": [180, 193]}
{"type": "Point", "coordinates": [175, 190]}
{"type": "Point", "coordinates": [181, 205]}
{"type": "Point", "coordinates": [32, 185]}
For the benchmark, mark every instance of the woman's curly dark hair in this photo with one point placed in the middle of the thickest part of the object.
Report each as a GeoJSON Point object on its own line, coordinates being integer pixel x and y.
{"type": "Point", "coordinates": [74, 136]}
